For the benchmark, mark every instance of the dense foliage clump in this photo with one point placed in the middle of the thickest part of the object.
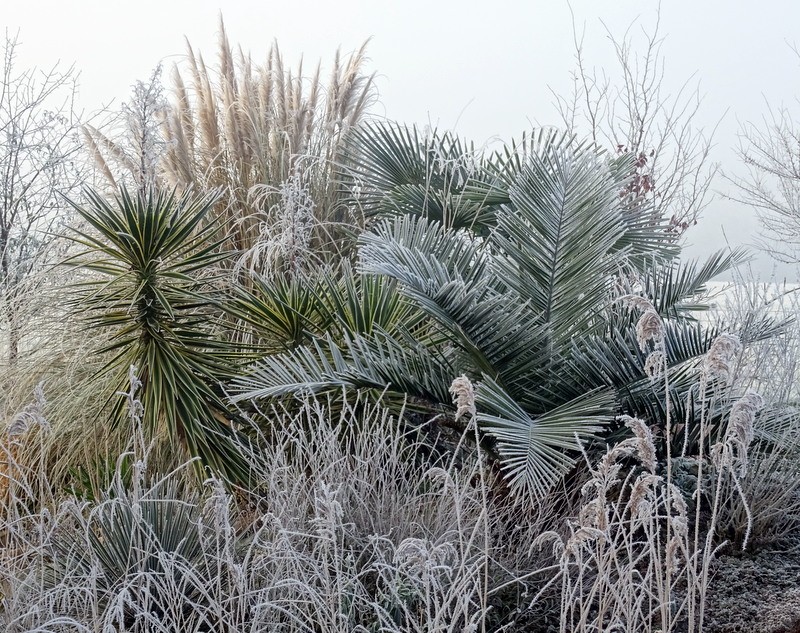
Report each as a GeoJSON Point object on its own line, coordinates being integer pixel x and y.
{"type": "Point", "coordinates": [318, 372]}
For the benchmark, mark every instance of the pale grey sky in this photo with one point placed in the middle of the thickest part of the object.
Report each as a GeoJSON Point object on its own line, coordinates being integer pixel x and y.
{"type": "Point", "coordinates": [483, 68]}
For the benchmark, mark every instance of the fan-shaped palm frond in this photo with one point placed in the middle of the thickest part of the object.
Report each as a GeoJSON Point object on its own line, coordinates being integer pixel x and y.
{"type": "Point", "coordinates": [615, 360]}
{"type": "Point", "coordinates": [678, 289]}
{"type": "Point", "coordinates": [396, 170]}
{"type": "Point", "coordinates": [377, 362]}
{"type": "Point", "coordinates": [447, 274]}
{"type": "Point", "coordinates": [645, 236]}
{"type": "Point", "coordinates": [555, 245]}
{"type": "Point", "coordinates": [524, 306]}
{"type": "Point", "coordinates": [536, 452]}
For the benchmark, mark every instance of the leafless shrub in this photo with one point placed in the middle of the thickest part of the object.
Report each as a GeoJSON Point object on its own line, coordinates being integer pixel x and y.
{"type": "Point", "coordinates": [39, 163]}
{"type": "Point", "coordinates": [769, 153]}
{"type": "Point", "coordinates": [128, 149]}
{"type": "Point", "coordinates": [629, 109]}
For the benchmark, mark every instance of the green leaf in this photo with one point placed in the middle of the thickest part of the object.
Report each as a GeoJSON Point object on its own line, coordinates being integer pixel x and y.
{"type": "Point", "coordinates": [537, 452]}
{"type": "Point", "coordinates": [153, 257]}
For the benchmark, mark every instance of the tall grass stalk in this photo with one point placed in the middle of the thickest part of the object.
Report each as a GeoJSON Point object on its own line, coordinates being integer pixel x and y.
{"type": "Point", "coordinates": [632, 560]}
{"type": "Point", "coordinates": [249, 129]}
{"type": "Point", "coordinates": [347, 529]}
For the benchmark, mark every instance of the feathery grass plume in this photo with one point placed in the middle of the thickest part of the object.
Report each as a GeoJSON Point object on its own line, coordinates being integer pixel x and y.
{"type": "Point", "coordinates": [463, 397]}
{"type": "Point", "coordinates": [767, 366]}
{"type": "Point", "coordinates": [242, 126]}
{"type": "Point", "coordinates": [68, 374]}
{"type": "Point", "coordinates": [645, 447]}
{"type": "Point", "coordinates": [649, 327]}
{"type": "Point", "coordinates": [28, 423]}
{"type": "Point", "coordinates": [420, 555]}
{"type": "Point", "coordinates": [9, 456]}
{"type": "Point", "coordinates": [619, 569]}
{"type": "Point", "coordinates": [740, 428]}
{"type": "Point", "coordinates": [730, 455]}
{"type": "Point", "coordinates": [654, 364]}
{"type": "Point", "coordinates": [718, 363]}
{"type": "Point", "coordinates": [771, 488]}
{"type": "Point", "coordinates": [31, 416]}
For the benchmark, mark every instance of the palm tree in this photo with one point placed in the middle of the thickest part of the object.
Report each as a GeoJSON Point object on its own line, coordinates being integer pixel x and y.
{"type": "Point", "coordinates": [514, 259]}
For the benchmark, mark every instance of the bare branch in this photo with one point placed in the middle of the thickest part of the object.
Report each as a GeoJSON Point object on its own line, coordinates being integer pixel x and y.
{"type": "Point", "coordinates": [634, 114]}
{"type": "Point", "coordinates": [770, 153]}
{"type": "Point", "coordinates": [40, 162]}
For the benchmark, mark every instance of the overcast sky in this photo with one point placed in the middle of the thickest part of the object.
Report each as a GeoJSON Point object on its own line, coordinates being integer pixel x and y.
{"type": "Point", "coordinates": [482, 68]}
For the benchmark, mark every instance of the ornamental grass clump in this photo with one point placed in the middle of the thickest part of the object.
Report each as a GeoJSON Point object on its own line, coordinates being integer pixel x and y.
{"type": "Point", "coordinates": [619, 568]}
{"type": "Point", "coordinates": [637, 556]}
{"type": "Point", "coordinates": [347, 528]}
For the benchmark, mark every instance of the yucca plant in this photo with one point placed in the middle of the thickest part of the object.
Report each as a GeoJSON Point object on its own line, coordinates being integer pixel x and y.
{"type": "Point", "coordinates": [149, 260]}
{"type": "Point", "coordinates": [519, 288]}
{"type": "Point", "coordinates": [156, 539]}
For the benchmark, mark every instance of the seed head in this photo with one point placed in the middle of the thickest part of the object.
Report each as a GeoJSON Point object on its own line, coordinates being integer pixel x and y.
{"type": "Point", "coordinates": [463, 396]}
{"type": "Point", "coordinates": [739, 433]}
{"type": "Point", "coordinates": [649, 327]}
{"type": "Point", "coordinates": [654, 364]}
{"type": "Point", "coordinates": [645, 447]}
{"type": "Point", "coordinates": [718, 363]}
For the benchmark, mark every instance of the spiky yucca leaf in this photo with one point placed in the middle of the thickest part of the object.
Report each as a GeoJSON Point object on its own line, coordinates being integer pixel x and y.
{"type": "Point", "coordinates": [352, 302]}
{"type": "Point", "coordinates": [150, 255]}
{"type": "Point", "coordinates": [131, 538]}
{"type": "Point", "coordinates": [281, 313]}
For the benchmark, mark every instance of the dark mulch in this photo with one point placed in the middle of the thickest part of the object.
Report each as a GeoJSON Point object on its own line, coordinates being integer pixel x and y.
{"type": "Point", "coordinates": [755, 593]}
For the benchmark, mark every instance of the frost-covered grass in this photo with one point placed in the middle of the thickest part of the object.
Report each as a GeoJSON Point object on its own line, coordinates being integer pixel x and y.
{"type": "Point", "coordinates": [346, 528]}
{"type": "Point", "coordinates": [353, 522]}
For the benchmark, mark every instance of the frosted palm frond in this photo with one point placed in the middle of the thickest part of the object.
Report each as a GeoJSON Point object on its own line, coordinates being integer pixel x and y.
{"type": "Point", "coordinates": [537, 451]}
{"type": "Point", "coordinates": [446, 273]}
{"type": "Point", "coordinates": [376, 362]}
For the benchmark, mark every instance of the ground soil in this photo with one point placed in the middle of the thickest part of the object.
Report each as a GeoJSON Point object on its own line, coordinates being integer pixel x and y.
{"type": "Point", "coordinates": [755, 593]}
